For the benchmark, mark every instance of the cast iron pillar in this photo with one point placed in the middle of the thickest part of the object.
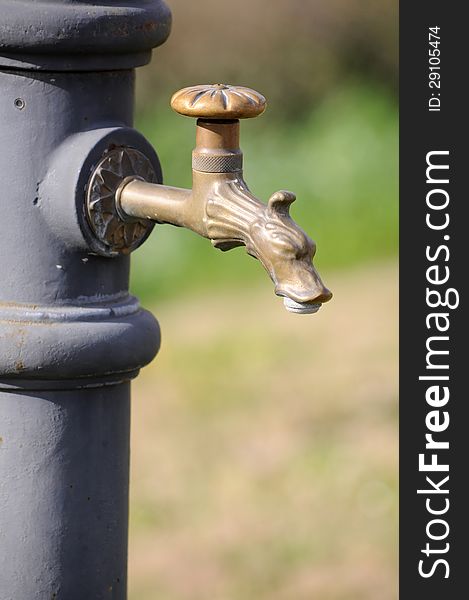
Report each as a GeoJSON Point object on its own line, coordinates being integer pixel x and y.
{"type": "Point", "coordinates": [71, 336]}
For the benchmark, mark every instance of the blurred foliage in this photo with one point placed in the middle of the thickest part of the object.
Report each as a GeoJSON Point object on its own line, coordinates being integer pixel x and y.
{"type": "Point", "coordinates": [328, 69]}
{"type": "Point", "coordinates": [293, 51]}
{"type": "Point", "coordinates": [341, 161]}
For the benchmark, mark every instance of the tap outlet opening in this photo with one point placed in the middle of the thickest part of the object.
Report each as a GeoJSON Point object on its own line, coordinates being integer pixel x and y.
{"type": "Point", "coordinates": [301, 308]}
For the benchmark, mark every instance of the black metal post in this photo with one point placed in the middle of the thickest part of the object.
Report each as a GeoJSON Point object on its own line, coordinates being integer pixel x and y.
{"type": "Point", "coordinates": [71, 336]}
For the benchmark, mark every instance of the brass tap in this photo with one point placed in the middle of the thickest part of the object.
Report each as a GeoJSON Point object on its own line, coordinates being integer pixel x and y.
{"type": "Point", "coordinates": [220, 206]}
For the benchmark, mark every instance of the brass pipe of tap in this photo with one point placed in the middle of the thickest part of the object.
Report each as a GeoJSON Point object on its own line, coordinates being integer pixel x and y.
{"type": "Point", "coordinates": [217, 146]}
{"type": "Point", "coordinates": [137, 199]}
{"type": "Point", "coordinates": [212, 137]}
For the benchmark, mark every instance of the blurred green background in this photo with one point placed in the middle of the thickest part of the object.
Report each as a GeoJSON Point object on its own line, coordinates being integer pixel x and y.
{"type": "Point", "coordinates": [264, 444]}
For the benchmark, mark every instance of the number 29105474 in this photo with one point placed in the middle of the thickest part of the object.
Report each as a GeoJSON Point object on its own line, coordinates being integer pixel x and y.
{"type": "Point", "coordinates": [434, 71]}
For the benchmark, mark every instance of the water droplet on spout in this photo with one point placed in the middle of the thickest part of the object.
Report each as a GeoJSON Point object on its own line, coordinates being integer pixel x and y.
{"type": "Point", "coordinates": [301, 308]}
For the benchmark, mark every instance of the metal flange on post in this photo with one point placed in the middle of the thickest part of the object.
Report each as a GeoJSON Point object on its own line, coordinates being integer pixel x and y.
{"type": "Point", "coordinates": [71, 336]}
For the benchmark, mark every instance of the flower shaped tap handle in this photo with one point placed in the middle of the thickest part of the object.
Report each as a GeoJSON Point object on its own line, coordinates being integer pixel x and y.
{"type": "Point", "coordinates": [218, 102]}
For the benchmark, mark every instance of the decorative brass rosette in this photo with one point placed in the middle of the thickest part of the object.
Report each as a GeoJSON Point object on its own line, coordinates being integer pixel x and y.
{"type": "Point", "coordinates": [116, 234]}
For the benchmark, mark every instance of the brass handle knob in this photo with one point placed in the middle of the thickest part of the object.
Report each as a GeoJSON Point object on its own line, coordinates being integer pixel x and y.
{"type": "Point", "coordinates": [218, 102]}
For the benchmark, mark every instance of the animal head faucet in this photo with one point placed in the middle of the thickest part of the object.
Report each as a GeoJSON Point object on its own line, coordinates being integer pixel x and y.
{"type": "Point", "coordinates": [220, 205]}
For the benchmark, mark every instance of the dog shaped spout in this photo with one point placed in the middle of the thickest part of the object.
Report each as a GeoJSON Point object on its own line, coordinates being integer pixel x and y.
{"type": "Point", "coordinates": [287, 252]}
{"type": "Point", "coordinates": [221, 207]}
{"type": "Point", "coordinates": [235, 217]}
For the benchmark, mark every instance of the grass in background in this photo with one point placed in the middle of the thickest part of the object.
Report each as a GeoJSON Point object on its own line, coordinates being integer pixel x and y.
{"type": "Point", "coordinates": [264, 448]}
{"type": "Point", "coordinates": [341, 162]}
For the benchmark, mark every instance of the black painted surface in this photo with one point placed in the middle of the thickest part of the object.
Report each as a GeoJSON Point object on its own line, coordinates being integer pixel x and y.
{"type": "Point", "coordinates": [78, 35]}
{"type": "Point", "coordinates": [71, 336]}
{"type": "Point", "coordinates": [64, 460]}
